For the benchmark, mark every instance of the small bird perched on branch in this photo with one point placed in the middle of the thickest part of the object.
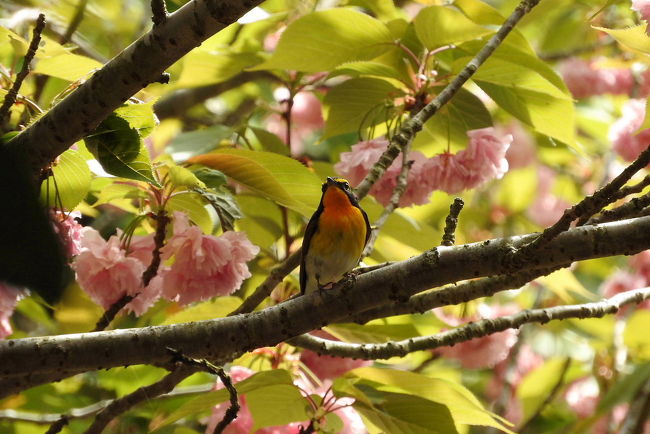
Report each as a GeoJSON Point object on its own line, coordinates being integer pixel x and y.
{"type": "Point", "coordinates": [335, 237]}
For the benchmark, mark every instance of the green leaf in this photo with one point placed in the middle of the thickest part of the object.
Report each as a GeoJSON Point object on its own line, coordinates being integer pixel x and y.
{"type": "Point", "coordinates": [450, 124]}
{"type": "Point", "coordinates": [270, 142]}
{"type": "Point", "coordinates": [206, 401]}
{"type": "Point", "coordinates": [408, 414]}
{"type": "Point", "coordinates": [323, 40]}
{"type": "Point", "coordinates": [517, 189]}
{"type": "Point", "coordinates": [182, 177]}
{"type": "Point", "coordinates": [67, 66]}
{"type": "Point", "coordinates": [485, 15]}
{"type": "Point", "coordinates": [140, 117]}
{"type": "Point", "coordinates": [538, 384]}
{"type": "Point", "coordinates": [634, 37]}
{"type": "Point", "coordinates": [356, 104]}
{"type": "Point", "coordinates": [276, 405]}
{"type": "Point", "coordinates": [463, 405]}
{"type": "Point", "coordinates": [217, 308]}
{"type": "Point", "coordinates": [201, 67]}
{"type": "Point", "coordinates": [276, 177]}
{"type": "Point", "coordinates": [261, 221]}
{"type": "Point", "coordinates": [224, 205]}
{"type": "Point", "coordinates": [529, 96]}
{"type": "Point", "coordinates": [368, 69]}
{"type": "Point", "coordinates": [211, 177]}
{"type": "Point", "coordinates": [188, 144]}
{"type": "Point", "coordinates": [119, 149]}
{"type": "Point", "coordinates": [437, 26]}
{"type": "Point", "coordinates": [192, 204]}
{"type": "Point", "coordinates": [70, 178]}
{"type": "Point", "coordinates": [636, 336]}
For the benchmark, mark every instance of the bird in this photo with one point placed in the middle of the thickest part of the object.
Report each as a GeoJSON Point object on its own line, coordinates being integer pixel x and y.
{"type": "Point", "coordinates": [334, 238]}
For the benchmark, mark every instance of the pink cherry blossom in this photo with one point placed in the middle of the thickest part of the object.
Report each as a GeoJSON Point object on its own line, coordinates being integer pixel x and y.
{"type": "Point", "coordinates": [447, 173]}
{"type": "Point", "coordinates": [547, 207]}
{"type": "Point", "coordinates": [643, 8]}
{"type": "Point", "coordinates": [9, 297]}
{"type": "Point", "coordinates": [484, 157]}
{"type": "Point", "coordinates": [521, 152]}
{"type": "Point", "coordinates": [69, 230]}
{"type": "Point", "coordinates": [484, 352]}
{"type": "Point", "coordinates": [355, 165]}
{"type": "Point", "coordinates": [641, 264]}
{"type": "Point", "coordinates": [107, 273]}
{"type": "Point", "coordinates": [587, 78]}
{"type": "Point", "coordinates": [582, 396]}
{"type": "Point", "coordinates": [628, 142]}
{"type": "Point", "coordinates": [204, 265]}
{"type": "Point", "coordinates": [306, 119]}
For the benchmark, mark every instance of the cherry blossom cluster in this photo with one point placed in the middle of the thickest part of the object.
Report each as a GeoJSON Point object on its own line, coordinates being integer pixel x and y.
{"type": "Point", "coordinates": [643, 8]}
{"type": "Point", "coordinates": [482, 160]}
{"type": "Point", "coordinates": [586, 78]}
{"type": "Point", "coordinates": [627, 140]}
{"type": "Point", "coordinates": [195, 266]}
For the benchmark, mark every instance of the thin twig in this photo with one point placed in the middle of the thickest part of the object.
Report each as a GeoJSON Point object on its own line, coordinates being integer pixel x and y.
{"type": "Point", "coordinates": [587, 207]}
{"type": "Point", "coordinates": [400, 188]}
{"type": "Point", "coordinates": [10, 97]}
{"type": "Point", "coordinates": [637, 415]}
{"type": "Point", "coordinates": [273, 279]}
{"type": "Point", "coordinates": [470, 331]}
{"type": "Point", "coordinates": [146, 393]}
{"type": "Point", "coordinates": [58, 425]}
{"type": "Point", "coordinates": [449, 236]}
{"type": "Point", "coordinates": [159, 11]}
{"type": "Point", "coordinates": [629, 209]}
{"type": "Point", "coordinates": [549, 398]}
{"type": "Point", "coordinates": [162, 220]}
{"type": "Point", "coordinates": [74, 22]}
{"type": "Point", "coordinates": [232, 411]}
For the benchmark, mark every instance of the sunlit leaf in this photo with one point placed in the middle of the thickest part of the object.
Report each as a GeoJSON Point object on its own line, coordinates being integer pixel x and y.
{"type": "Point", "coordinates": [439, 25]}
{"type": "Point", "coordinates": [279, 178]}
{"type": "Point", "coordinates": [69, 182]}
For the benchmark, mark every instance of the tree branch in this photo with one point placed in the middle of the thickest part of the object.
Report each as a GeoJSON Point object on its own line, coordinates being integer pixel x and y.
{"type": "Point", "coordinates": [400, 188]}
{"type": "Point", "coordinates": [454, 294]}
{"type": "Point", "coordinates": [220, 340]}
{"type": "Point", "coordinates": [470, 331]}
{"type": "Point", "coordinates": [125, 403]}
{"type": "Point", "coordinates": [10, 97]}
{"type": "Point", "coordinates": [449, 236]}
{"type": "Point", "coordinates": [141, 63]}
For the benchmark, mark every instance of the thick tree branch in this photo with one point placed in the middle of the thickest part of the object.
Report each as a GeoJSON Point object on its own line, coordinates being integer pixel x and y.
{"type": "Point", "coordinates": [470, 331]}
{"type": "Point", "coordinates": [141, 63]}
{"type": "Point", "coordinates": [454, 294]}
{"type": "Point", "coordinates": [222, 339]}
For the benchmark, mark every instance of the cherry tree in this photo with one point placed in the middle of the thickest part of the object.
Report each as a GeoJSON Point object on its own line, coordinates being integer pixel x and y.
{"type": "Point", "coordinates": [160, 161]}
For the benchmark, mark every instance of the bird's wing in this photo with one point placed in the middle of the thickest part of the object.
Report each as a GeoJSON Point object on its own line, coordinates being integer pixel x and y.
{"type": "Point", "coordinates": [311, 229]}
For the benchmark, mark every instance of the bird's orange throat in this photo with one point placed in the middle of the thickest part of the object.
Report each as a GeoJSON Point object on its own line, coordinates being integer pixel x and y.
{"type": "Point", "coordinates": [336, 200]}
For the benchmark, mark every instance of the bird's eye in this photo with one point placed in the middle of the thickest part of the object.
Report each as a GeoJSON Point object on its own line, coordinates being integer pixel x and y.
{"type": "Point", "coordinates": [346, 186]}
